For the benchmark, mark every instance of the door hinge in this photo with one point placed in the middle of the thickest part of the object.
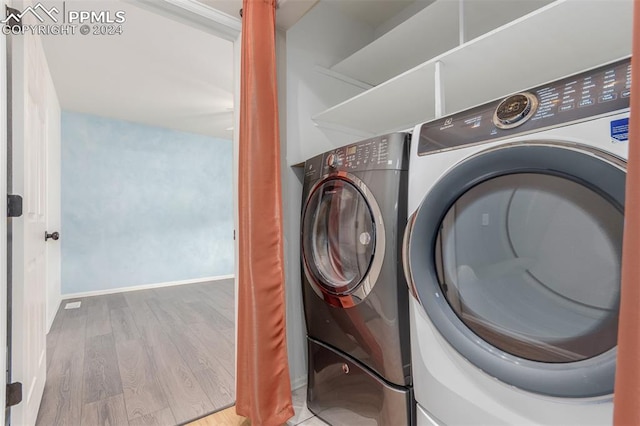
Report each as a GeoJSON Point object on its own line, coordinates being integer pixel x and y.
{"type": "Point", "coordinates": [14, 394]}
{"type": "Point", "coordinates": [12, 17]}
{"type": "Point", "coordinates": [14, 205]}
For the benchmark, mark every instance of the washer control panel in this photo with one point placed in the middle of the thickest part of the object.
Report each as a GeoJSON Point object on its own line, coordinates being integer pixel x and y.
{"type": "Point", "coordinates": [386, 152]}
{"type": "Point", "coordinates": [600, 91]}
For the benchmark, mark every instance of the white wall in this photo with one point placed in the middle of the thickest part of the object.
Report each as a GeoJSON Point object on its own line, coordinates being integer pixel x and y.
{"type": "Point", "coordinates": [290, 191]}
{"type": "Point", "coordinates": [303, 92]}
{"type": "Point", "coordinates": [401, 16]}
{"type": "Point", "coordinates": [133, 213]}
{"type": "Point", "coordinates": [322, 37]}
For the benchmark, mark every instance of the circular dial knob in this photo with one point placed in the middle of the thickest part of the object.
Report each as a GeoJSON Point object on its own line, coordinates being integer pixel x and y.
{"type": "Point", "coordinates": [515, 110]}
{"type": "Point", "coordinates": [332, 160]}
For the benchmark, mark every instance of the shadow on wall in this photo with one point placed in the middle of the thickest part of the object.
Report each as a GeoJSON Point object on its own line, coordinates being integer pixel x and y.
{"type": "Point", "coordinates": [142, 205]}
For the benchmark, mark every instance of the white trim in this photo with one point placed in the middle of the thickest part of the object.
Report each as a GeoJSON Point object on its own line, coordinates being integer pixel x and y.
{"type": "Point", "coordinates": [196, 14]}
{"type": "Point", "coordinates": [3, 218]}
{"type": "Point", "coordinates": [237, 77]}
{"type": "Point", "coordinates": [461, 35]}
{"type": "Point", "coordinates": [51, 316]}
{"type": "Point", "coordinates": [145, 287]}
{"type": "Point", "coordinates": [439, 90]}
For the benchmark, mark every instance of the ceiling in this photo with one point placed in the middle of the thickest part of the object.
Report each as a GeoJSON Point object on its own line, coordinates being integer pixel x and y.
{"type": "Point", "coordinates": [230, 7]}
{"type": "Point", "coordinates": [162, 72]}
{"type": "Point", "coordinates": [158, 72]}
{"type": "Point", "coordinates": [289, 11]}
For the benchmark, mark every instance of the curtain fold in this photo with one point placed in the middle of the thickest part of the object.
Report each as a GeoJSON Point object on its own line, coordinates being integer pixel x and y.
{"type": "Point", "coordinates": [627, 387]}
{"type": "Point", "coordinates": [263, 390]}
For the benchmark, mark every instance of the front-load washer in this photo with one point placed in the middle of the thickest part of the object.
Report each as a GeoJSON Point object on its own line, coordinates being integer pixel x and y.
{"type": "Point", "coordinates": [354, 292]}
{"type": "Point", "coordinates": [513, 251]}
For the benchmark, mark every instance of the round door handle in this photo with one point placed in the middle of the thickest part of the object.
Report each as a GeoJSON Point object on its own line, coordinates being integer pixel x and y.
{"type": "Point", "coordinates": [54, 236]}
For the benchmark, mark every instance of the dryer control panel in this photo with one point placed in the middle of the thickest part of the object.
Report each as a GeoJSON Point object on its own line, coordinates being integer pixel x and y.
{"type": "Point", "coordinates": [386, 152]}
{"type": "Point", "coordinates": [592, 93]}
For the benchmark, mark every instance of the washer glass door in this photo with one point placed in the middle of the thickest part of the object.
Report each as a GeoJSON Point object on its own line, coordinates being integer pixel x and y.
{"type": "Point", "coordinates": [339, 236]}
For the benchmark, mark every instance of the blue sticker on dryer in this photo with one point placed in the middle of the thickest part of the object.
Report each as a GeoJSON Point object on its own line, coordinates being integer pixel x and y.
{"type": "Point", "coordinates": [620, 130]}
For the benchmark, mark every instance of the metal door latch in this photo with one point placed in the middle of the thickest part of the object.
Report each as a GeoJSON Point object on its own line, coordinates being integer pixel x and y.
{"type": "Point", "coordinates": [54, 236]}
{"type": "Point", "coordinates": [14, 205]}
{"type": "Point", "coordinates": [14, 394]}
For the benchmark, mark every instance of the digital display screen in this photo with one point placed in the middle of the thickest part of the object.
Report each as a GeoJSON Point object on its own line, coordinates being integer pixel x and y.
{"type": "Point", "coordinates": [352, 150]}
{"type": "Point", "coordinates": [512, 108]}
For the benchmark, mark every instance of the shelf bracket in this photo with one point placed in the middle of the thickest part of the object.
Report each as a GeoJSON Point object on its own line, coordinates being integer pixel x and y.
{"type": "Point", "coordinates": [461, 23]}
{"type": "Point", "coordinates": [343, 78]}
{"type": "Point", "coordinates": [439, 90]}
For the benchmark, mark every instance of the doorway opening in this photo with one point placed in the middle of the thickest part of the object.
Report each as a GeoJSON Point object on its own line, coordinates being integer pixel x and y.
{"type": "Point", "coordinates": [135, 171]}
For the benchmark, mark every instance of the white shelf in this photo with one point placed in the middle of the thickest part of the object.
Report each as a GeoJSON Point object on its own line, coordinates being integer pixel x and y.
{"type": "Point", "coordinates": [428, 33]}
{"type": "Point", "coordinates": [480, 17]}
{"type": "Point", "coordinates": [395, 105]}
{"type": "Point", "coordinates": [562, 38]}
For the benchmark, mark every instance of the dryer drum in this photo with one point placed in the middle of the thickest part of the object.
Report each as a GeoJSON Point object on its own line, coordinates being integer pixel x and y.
{"type": "Point", "coordinates": [520, 246]}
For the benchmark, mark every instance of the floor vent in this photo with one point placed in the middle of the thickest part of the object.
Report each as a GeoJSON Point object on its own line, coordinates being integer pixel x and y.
{"type": "Point", "coordinates": [72, 305]}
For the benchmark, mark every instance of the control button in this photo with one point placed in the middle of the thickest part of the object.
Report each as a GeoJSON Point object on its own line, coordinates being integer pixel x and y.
{"type": "Point", "coordinates": [515, 110]}
{"type": "Point", "coordinates": [332, 161]}
{"type": "Point", "coordinates": [585, 102]}
{"type": "Point", "coordinates": [608, 97]}
{"type": "Point", "coordinates": [626, 93]}
{"type": "Point", "coordinates": [566, 107]}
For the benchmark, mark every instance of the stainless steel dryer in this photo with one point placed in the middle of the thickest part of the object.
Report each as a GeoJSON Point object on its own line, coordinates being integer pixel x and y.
{"type": "Point", "coordinates": [355, 296]}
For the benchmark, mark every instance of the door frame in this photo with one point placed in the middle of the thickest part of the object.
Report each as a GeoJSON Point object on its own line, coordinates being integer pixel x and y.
{"type": "Point", "coordinates": [3, 217]}
{"type": "Point", "coordinates": [189, 12]}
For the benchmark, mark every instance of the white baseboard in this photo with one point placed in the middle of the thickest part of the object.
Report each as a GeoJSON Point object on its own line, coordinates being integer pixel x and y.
{"type": "Point", "coordinates": [144, 287]}
{"type": "Point", "coordinates": [298, 382]}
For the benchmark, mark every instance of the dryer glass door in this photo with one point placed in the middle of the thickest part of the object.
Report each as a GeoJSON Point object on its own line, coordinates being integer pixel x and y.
{"type": "Point", "coordinates": [339, 236]}
{"type": "Point", "coordinates": [531, 263]}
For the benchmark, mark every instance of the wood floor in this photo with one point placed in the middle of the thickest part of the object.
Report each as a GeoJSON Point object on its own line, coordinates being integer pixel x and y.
{"type": "Point", "coordinates": [228, 417]}
{"type": "Point", "coordinates": [151, 357]}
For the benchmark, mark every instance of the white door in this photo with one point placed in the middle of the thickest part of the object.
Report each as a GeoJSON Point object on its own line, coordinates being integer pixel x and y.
{"type": "Point", "coordinates": [29, 254]}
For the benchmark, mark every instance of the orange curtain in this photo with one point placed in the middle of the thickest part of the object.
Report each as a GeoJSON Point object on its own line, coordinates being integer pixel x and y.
{"type": "Point", "coordinates": [263, 390]}
{"type": "Point", "coordinates": [627, 387]}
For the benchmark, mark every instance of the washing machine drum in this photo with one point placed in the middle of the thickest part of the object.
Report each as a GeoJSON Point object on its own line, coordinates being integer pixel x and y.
{"type": "Point", "coordinates": [524, 251]}
{"type": "Point", "coordinates": [342, 240]}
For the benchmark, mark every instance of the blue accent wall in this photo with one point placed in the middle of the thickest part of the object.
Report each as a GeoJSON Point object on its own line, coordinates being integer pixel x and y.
{"type": "Point", "coordinates": [142, 205]}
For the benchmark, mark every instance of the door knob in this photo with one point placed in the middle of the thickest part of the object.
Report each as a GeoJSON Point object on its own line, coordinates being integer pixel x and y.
{"type": "Point", "coordinates": [54, 236]}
